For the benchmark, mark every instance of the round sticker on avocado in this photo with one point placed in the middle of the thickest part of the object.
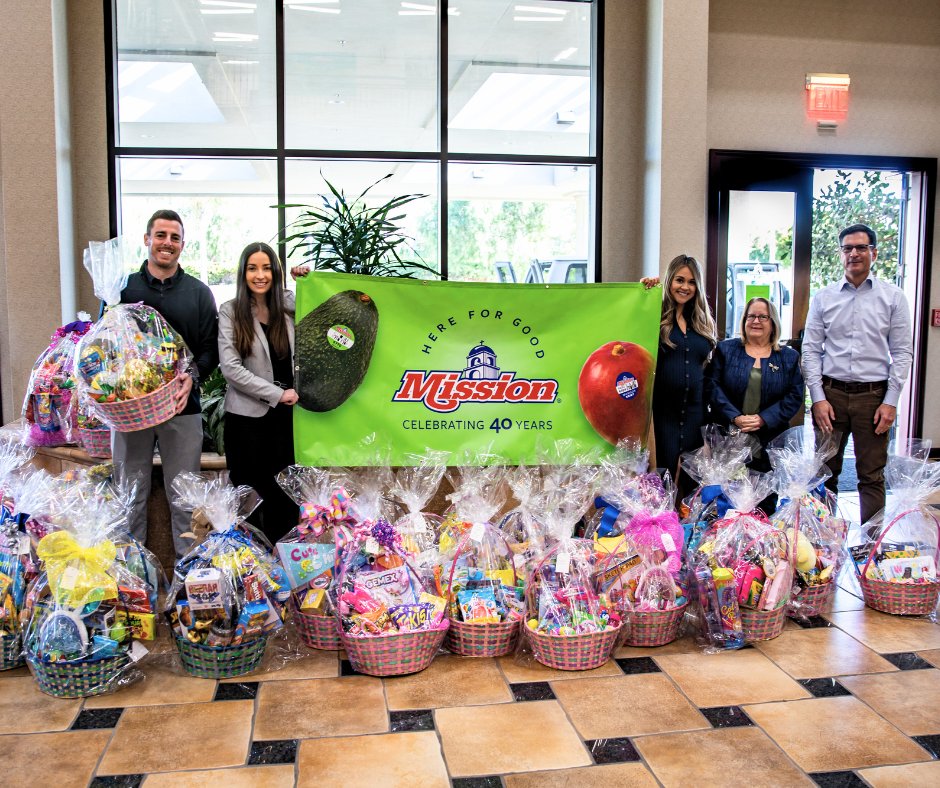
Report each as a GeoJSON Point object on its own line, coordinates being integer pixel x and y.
{"type": "Point", "coordinates": [341, 337]}
{"type": "Point", "coordinates": [627, 385]}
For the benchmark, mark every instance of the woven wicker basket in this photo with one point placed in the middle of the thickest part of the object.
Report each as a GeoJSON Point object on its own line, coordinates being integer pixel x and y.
{"type": "Point", "coordinates": [141, 413]}
{"type": "Point", "coordinates": [573, 652]}
{"type": "Point", "coordinates": [220, 662]}
{"type": "Point", "coordinates": [482, 640]}
{"type": "Point", "coordinates": [654, 628]}
{"type": "Point", "coordinates": [78, 679]}
{"type": "Point", "coordinates": [316, 631]}
{"type": "Point", "coordinates": [811, 601]}
{"type": "Point", "coordinates": [395, 654]}
{"type": "Point", "coordinates": [96, 442]}
{"type": "Point", "coordinates": [11, 653]}
{"type": "Point", "coordinates": [763, 624]}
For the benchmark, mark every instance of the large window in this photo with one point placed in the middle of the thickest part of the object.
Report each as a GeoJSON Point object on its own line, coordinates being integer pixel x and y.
{"type": "Point", "coordinates": [224, 109]}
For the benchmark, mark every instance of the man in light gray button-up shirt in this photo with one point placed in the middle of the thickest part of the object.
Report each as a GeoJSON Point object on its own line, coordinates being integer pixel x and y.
{"type": "Point", "coordinates": [857, 352]}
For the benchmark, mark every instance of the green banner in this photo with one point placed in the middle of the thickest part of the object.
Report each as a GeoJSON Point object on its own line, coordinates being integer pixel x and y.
{"type": "Point", "coordinates": [465, 367]}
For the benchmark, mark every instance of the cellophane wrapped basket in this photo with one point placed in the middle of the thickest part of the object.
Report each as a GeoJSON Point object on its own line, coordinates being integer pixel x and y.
{"type": "Point", "coordinates": [743, 570]}
{"type": "Point", "coordinates": [391, 622]}
{"type": "Point", "coordinates": [93, 435]}
{"type": "Point", "coordinates": [642, 570]}
{"type": "Point", "coordinates": [308, 552]}
{"type": "Point", "coordinates": [483, 590]}
{"type": "Point", "coordinates": [816, 535]}
{"type": "Point", "coordinates": [91, 614]}
{"type": "Point", "coordinates": [48, 410]}
{"type": "Point", "coordinates": [228, 593]}
{"type": "Point", "coordinates": [897, 563]}
{"type": "Point", "coordinates": [129, 363]}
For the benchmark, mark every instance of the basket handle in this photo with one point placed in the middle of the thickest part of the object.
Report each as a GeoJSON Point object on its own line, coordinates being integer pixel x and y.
{"type": "Point", "coordinates": [884, 532]}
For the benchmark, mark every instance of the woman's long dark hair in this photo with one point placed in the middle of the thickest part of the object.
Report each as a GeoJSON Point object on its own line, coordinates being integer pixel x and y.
{"type": "Point", "coordinates": [277, 311]}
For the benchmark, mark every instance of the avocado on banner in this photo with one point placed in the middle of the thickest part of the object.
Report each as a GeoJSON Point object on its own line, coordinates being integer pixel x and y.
{"type": "Point", "coordinates": [469, 368]}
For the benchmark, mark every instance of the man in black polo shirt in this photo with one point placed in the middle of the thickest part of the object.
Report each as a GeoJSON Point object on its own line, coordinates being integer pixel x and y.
{"type": "Point", "coordinates": [188, 306]}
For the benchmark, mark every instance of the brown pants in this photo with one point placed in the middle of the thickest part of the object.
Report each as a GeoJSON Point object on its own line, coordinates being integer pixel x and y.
{"type": "Point", "coordinates": [855, 415]}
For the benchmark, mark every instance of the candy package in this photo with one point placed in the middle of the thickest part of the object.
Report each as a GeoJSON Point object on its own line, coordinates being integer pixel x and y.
{"type": "Point", "coordinates": [742, 570]}
{"type": "Point", "coordinates": [816, 536]}
{"type": "Point", "coordinates": [896, 559]}
{"type": "Point", "coordinates": [129, 363]}
{"type": "Point", "coordinates": [722, 458]}
{"type": "Point", "coordinates": [48, 409]}
{"type": "Point", "coordinates": [229, 592]}
{"type": "Point", "coordinates": [92, 613]}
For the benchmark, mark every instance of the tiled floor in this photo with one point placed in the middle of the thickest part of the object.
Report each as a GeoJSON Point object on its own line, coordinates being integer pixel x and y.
{"type": "Point", "coordinates": [852, 698]}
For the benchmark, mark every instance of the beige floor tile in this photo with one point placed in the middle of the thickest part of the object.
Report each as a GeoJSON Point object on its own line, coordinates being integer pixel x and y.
{"type": "Point", "coordinates": [277, 776]}
{"type": "Point", "coordinates": [512, 737]}
{"type": "Point", "coordinates": [24, 709]}
{"type": "Point", "coordinates": [834, 734]}
{"type": "Point", "coordinates": [313, 665]}
{"type": "Point", "coordinates": [885, 633]}
{"type": "Point", "coordinates": [730, 678]}
{"type": "Point", "coordinates": [686, 645]}
{"type": "Point", "coordinates": [530, 670]}
{"type": "Point", "coordinates": [159, 686]}
{"type": "Point", "coordinates": [903, 776]}
{"type": "Point", "coordinates": [932, 656]}
{"type": "Point", "coordinates": [606, 708]}
{"type": "Point", "coordinates": [405, 759]}
{"type": "Point", "coordinates": [815, 653]}
{"type": "Point", "coordinates": [729, 757]}
{"type": "Point", "coordinates": [844, 599]}
{"type": "Point", "coordinates": [449, 681]}
{"type": "Point", "coordinates": [14, 674]}
{"type": "Point", "coordinates": [320, 707]}
{"type": "Point", "coordinates": [63, 760]}
{"type": "Point", "coordinates": [173, 738]}
{"type": "Point", "coordinates": [622, 775]}
{"type": "Point", "coordinates": [909, 698]}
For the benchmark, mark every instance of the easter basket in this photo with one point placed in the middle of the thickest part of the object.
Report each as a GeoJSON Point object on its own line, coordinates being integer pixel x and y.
{"type": "Point", "coordinates": [315, 630]}
{"type": "Point", "coordinates": [11, 652]}
{"type": "Point", "coordinates": [95, 441]}
{"type": "Point", "coordinates": [579, 651]}
{"type": "Point", "coordinates": [80, 678]}
{"type": "Point", "coordinates": [141, 413]}
{"type": "Point", "coordinates": [763, 624]}
{"type": "Point", "coordinates": [902, 599]}
{"type": "Point", "coordinates": [653, 627]}
{"type": "Point", "coordinates": [220, 662]}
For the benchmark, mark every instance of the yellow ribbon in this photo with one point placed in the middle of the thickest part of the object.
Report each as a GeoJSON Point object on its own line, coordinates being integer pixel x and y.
{"type": "Point", "coordinates": [78, 575]}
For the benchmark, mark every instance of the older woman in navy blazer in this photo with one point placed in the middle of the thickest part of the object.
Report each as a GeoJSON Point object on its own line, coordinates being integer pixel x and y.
{"type": "Point", "coordinates": [757, 384]}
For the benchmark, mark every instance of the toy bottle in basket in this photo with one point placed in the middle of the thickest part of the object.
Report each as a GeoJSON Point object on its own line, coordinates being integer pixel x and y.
{"type": "Point", "coordinates": [129, 363]}
{"type": "Point", "coordinates": [48, 407]}
{"type": "Point", "coordinates": [91, 614]}
{"type": "Point", "coordinates": [308, 551]}
{"type": "Point", "coordinates": [479, 579]}
{"type": "Point", "coordinates": [816, 536]}
{"type": "Point", "coordinates": [897, 563]}
{"type": "Point", "coordinates": [743, 570]}
{"type": "Point", "coordinates": [391, 622]}
{"type": "Point", "coordinates": [722, 458]}
{"type": "Point", "coordinates": [642, 573]}
{"type": "Point", "coordinates": [228, 593]}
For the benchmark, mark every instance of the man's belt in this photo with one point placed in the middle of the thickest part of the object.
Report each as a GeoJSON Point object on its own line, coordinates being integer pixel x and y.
{"type": "Point", "coordinates": [855, 387]}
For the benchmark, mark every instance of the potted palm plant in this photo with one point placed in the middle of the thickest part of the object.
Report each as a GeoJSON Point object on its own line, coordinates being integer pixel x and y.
{"type": "Point", "coordinates": [354, 237]}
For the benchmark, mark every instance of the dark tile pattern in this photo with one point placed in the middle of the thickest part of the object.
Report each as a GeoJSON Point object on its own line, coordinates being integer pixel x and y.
{"type": "Point", "coordinates": [931, 743]}
{"type": "Point", "coordinates": [414, 720]}
{"type": "Point", "coordinates": [271, 752]}
{"type": "Point", "coordinates": [532, 690]}
{"type": "Point", "coordinates": [242, 690]}
{"type": "Point", "coordinates": [813, 622]}
{"type": "Point", "coordinates": [619, 750]}
{"type": "Point", "coordinates": [726, 716]}
{"type": "Point", "coordinates": [824, 688]}
{"type": "Point", "coordinates": [907, 660]}
{"type": "Point", "coordinates": [634, 665]}
{"type": "Point", "coordinates": [837, 780]}
{"type": "Point", "coordinates": [476, 782]}
{"type": "Point", "coordinates": [89, 719]}
{"type": "Point", "coordinates": [117, 781]}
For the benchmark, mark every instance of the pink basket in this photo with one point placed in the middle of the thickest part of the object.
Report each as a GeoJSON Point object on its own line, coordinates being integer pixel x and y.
{"type": "Point", "coordinates": [811, 601]}
{"type": "Point", "coordinates": [482, 640]}
{"type": "Point", "coordinates": [141, 413]}
{"type": "Point", "coordinates": [573, 652]}
{"type": "Point", "coordinates": [763, 624]}
{"type": "Point", "coordinates": [96, 442]}
{"type": "Point", "coordinates": [654, 627]}
{"type": "Point", "coordinates": [396, 654]}
{"type": "Point", "coordinates": [316, 631]}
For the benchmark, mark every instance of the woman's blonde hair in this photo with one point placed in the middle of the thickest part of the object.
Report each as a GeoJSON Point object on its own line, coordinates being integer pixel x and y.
{"type": "Point", "coordinates": [700, 317]}
{"type": "Point", "coordinates": [775, 328]}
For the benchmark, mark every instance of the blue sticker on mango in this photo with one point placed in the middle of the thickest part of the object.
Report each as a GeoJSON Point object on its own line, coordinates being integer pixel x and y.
{"type": "Point", "coordinates": [627, 385]}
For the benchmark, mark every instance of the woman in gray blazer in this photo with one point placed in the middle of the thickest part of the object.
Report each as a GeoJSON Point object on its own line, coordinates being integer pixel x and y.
{"type": "Point", "coordinates": [256, 354]}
